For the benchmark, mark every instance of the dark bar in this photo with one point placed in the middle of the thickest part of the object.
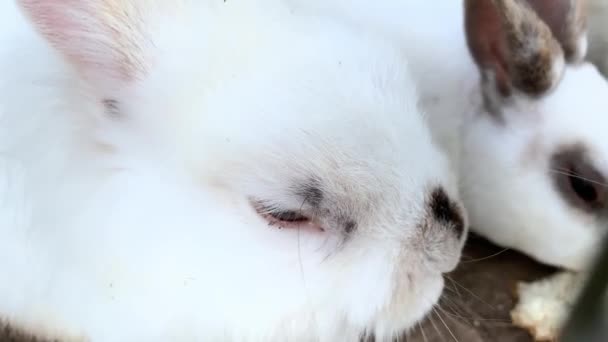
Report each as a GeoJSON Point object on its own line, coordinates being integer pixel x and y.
{"type": "Point", "coordinates": [588, 321]}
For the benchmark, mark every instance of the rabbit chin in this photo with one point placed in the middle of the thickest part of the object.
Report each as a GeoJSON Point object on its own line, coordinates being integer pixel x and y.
{"type": "Point", "coordinates": [153, 282]}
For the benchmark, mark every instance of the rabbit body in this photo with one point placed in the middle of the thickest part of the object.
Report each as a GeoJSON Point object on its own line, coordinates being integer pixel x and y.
{"type": "Point", "coordinates": [135, 163]}
{"type": "Point", "coordinates": [155, 156]}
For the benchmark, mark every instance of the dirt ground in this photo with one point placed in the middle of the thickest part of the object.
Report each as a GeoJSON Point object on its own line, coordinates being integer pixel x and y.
{"type": "Point", "coordinates": [479, 296]}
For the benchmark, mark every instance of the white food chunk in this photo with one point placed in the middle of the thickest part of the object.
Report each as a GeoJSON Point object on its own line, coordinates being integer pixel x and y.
{"type": "Point", "coordinates": [544, 305]}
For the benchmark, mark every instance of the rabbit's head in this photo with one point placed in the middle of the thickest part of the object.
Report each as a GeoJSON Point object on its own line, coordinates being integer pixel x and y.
{"type": "Point", "coordinates": [536, 153]}
{"type": "Point", "coordinates": [328, 211]}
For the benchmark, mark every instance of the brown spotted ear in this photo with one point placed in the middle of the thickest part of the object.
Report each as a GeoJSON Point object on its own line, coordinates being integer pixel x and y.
{"type": "Point", "coordinates": [100, 38]}
{"type": "Point", "coordinates": [514, 49]}
{"type": "Point", "coordinates": [567, 20]}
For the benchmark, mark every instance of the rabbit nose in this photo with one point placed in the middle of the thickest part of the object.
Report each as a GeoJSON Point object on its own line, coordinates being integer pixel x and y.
{"type": "Point", "coordinates": [447, 212]}
{"type": "Point", "coordinates": [443, 231]}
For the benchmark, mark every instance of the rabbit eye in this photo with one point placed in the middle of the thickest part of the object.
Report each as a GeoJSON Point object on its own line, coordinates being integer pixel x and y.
{"type": "Point", "coordinates": [279, 217]}
{"type": "Point", "coordinates": [583, 188]}
{"type": "Point", "coordinates": [288, 216]}
{"type": "Point", "coordinates": [285, 218]}
{"type": "Point", "coordinates": [579, 182]}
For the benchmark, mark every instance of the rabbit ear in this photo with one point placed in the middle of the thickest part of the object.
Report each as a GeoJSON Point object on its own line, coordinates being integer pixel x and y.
{"type": "Point", "coordinates": [567, 20]}
{"type": "Point", "coordinates": [513, 47]}
{"type": "Point", "coordinates": [100, 38]}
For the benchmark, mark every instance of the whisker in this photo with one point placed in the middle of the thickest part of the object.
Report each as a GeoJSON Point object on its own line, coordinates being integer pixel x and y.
{"type": "Point", "coordinates": [487, 257]}
{"type": "Point", "coordinates": [457, 307]}
{"type": "Point", "coordinates": [301, 265]}
{"type": "Point", "coordinates": [480, 319]}
{"type": "Point", "coordinates": [424, 338]}
{"type": "Point", "coordinates": [445, 325]}
{"type": "Point", "coordinates": [571, 174]}
{"type": "Point", "coordinates": [454, 315]}
{"type": "Point", "coordinates": [299, 249]}
{"type": "Point", "coordinates": [472, 315]}
{"type": "Point", "coordinates": [473, 294]}
{"type": "Point", "coordinates": [435, 326]}
{"type": "Point", "coordinates": [299, 228]}
{"type": "Point", "coordinates": [455, 288]}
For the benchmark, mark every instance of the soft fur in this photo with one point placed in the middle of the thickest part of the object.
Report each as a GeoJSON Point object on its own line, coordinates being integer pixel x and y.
{"type": "Point", "coordinates": [506, 90]}
{"type": "Point", "coordinates": [135, 134]}
{"type": "Point", "coordinates": [509, 179]}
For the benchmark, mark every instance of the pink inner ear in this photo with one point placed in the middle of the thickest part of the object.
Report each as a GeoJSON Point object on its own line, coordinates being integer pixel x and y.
{"type": "Point", "coordinates": [74, 28]}
{"type": "Point", "coordinates": [485, 41]}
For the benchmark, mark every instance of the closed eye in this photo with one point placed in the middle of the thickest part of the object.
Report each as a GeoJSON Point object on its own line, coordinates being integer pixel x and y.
{"type": "Point", "coordinates": [281, 218]}
{"type": "Point", "coordinates": [288, 216]}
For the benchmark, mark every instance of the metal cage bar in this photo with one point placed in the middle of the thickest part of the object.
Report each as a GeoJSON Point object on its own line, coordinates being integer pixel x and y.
{"type": "Point", "coordinates": [588, 320]}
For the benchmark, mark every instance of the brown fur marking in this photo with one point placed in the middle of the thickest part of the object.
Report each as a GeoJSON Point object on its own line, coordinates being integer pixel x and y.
{"type": "Point", "coordinates": [567, 20]}
{"type": "Point", "coordinates": [530, 46]}
{"type": "Point", "coordinates": [507, 37]}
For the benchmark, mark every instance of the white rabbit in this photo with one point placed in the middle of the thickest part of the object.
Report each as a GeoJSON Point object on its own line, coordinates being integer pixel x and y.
{"type": "Point", "coordinates": [523, 120]}
{"type": "Point", "coordinates": [534, 173]}
{"type": "Point", "coordinates": [598, 34]}
{"type": "Point", "coordinates": [522, 117]}
{"type": "Point", "coordinates": [214, 170]}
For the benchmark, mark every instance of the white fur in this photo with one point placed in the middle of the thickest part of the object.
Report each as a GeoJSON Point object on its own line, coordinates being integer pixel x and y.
{"type": "Point", "coordinates": [139, 228]}
{"type": "Point", "coordinates": [506, 181]}
{"type": "Point", "coordinates": [508, 185]}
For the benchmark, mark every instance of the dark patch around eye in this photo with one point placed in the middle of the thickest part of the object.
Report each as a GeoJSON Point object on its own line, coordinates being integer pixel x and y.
{"type": "Point", "coordinates": [446, 211]}
{"type": "Point", "coordinates": [111, 106]}
{"type": "Point", "coordinates": [311, 192]}
{"type": "Point", "coordinates": [577, 180]}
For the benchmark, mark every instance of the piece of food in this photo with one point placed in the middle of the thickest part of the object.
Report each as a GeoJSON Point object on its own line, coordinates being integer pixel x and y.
{"type": "Point", "coordinates": [544, 305]}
